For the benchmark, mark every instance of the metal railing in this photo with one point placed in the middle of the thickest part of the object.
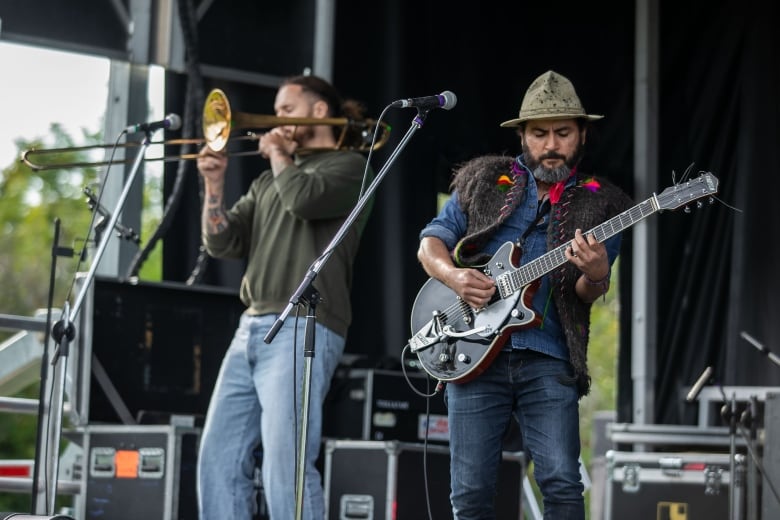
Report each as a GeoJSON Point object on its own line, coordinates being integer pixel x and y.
{"type": "Point", "coordinates": [20, 354]}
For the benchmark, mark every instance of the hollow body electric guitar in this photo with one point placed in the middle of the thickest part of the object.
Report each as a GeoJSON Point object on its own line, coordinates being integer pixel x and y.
{"type": "Point", "coordinates": [455, 343]}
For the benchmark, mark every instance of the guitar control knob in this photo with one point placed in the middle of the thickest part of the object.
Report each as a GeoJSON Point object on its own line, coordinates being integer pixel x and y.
{"type": "Point", "coordinates": [463, 358]}
{"type": "Point", "coordinates": [517, 314]}
{"type": "Point", "coordinates": [444, 357]}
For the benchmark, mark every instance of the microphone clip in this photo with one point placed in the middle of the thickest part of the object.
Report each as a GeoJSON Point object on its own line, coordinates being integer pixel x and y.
{"type": "Point", "coordinates": [122, 231]}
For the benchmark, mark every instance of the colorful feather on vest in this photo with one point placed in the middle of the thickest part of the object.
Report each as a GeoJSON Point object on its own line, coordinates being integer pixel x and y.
{"type": "Point", "coordinates": [490, 187]}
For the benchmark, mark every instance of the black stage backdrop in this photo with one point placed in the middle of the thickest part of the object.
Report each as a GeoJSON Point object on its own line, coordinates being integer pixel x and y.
{"type": "Point", "coordinates": [718, 110]}
{"type": "Point", "coordinates": [720, 73]}
{"type": "Point", "coordinates": [487, 55]}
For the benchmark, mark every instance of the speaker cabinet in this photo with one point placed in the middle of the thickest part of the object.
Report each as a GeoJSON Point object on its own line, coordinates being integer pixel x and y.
{"type": "Point", "coordinates": [385, 480]}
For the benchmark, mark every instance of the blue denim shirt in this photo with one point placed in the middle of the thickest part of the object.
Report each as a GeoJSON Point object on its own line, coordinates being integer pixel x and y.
{"type": "Point", "coordinates": [450, 226]}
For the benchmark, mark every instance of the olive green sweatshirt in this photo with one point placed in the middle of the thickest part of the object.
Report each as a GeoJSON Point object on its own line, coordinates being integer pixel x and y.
{"type": "Point", "coordinates": [281, 225]}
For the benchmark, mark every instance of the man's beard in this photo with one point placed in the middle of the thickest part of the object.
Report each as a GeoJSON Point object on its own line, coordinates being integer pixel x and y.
{"type": "Point", "coordinates": [302, 134]}
{"type": "Point", "coordinates": [551, 175]}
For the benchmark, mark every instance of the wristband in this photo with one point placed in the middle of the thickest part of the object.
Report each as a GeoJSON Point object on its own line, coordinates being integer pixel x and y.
{"type": "Point", "coordinates": [603, 282]}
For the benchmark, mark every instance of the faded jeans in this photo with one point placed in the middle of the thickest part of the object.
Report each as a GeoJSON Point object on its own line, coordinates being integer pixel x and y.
{"type": "Point", "coordinates": [540, 390]}
{"type": "Point", "coordinates": [252, 403]}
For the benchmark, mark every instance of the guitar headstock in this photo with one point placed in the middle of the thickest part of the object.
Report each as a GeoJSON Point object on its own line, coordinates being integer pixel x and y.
{"type": "Point", "coordinates": [681, 194]}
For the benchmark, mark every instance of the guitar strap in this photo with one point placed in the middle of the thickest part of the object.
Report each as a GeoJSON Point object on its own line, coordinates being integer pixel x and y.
{"type": "Point", "coordinates": [541, 211]}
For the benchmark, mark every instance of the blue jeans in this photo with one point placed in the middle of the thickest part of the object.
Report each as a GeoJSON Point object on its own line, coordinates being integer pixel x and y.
{"type": "Point", "coordinates": [540, 391]}
{"type": "Point", "coordinates": [256, 404]}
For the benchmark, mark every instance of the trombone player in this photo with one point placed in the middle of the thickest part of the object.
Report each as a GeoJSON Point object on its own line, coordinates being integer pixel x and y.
{"type": "Point", "coordinates": [280, 225]}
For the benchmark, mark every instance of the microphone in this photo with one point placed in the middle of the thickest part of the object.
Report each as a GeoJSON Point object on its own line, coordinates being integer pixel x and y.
{"type": "Point", "coordinates": [171, 122]}
{"type": "Point", "coordinates": [445, 100]}
{"type": "Point", "coordinates": [699, 384]}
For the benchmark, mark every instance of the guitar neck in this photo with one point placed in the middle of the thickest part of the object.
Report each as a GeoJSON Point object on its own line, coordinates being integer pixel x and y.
{"type": "Point", "coordinates": [557, 257]}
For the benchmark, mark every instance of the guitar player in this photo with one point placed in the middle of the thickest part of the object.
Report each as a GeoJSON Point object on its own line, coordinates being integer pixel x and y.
{"type": "Point", "coordinates": [537, 202]}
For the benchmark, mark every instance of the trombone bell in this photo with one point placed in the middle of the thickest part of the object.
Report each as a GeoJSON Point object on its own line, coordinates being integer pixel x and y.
{"type": "Point", "coordinates": [217, 120]}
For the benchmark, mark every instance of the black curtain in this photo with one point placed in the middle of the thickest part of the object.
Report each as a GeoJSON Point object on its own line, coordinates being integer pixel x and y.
{"type": "Point", "coordinates": [719, 112]}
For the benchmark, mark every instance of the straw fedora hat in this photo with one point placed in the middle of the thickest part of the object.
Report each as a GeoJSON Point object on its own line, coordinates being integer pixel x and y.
{"type": "Point", "coordinates": [550, 96]}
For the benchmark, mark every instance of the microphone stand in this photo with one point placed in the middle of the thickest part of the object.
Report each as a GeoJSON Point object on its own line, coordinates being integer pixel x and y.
{"type": "Point", "coordinates": [750, 416]}
{"type": "Point", "coordinates": [761, 348]}
{"type": "Point", "coordinates": [64, 331]}
{"type": "Point", "coordinates": [307, 293]}
{"type": "Point", "coordinates": [45, 385]}
{"type": "Point", "coordinates": [749, 421]}
{"type": "Point", "coordinates": [122, 231]}
{"type": "Point", "coordinates": [729, 413]}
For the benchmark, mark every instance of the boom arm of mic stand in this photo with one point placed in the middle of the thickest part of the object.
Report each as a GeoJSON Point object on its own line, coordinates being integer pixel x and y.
{"type": "Point", "coordinates": [318, 263]}
{"type": "Point", "coordinates": [761, 348]}
{"type": "Point", "coordinates": [111, 225]}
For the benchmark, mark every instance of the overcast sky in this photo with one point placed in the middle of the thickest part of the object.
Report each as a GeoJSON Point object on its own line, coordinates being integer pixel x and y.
{"type": "Point", "coordinates": [41, 86]}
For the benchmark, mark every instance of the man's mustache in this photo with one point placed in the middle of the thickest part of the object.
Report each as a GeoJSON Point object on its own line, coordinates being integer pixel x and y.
{"type": "Point", "coordinates": [551, 155]}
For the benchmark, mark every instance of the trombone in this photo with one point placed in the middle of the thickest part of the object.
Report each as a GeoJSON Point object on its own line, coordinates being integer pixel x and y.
{"type": "Point", "coordinates": [219, 122]}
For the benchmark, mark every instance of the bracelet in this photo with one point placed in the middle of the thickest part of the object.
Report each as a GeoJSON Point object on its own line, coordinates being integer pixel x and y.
{"type": "Point", "coordinates": [602, 281]}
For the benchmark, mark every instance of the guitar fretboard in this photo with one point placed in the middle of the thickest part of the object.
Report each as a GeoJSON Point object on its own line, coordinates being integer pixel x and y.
{"type": "Point", "coordinates": [514, 281]}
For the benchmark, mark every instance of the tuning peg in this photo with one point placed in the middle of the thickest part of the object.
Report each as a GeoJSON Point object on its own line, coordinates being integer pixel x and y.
{"type": "Point", "coordinates": [687, 209]}
{"type": "Point", "coordinates": [699, 204]}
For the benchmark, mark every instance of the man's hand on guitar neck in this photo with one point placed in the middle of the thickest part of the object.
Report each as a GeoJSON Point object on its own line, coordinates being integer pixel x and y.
{"type": "Point", "coordinates": [590, 257]}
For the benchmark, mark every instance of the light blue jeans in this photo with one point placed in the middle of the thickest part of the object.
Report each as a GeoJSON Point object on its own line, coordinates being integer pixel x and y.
{"type": "Point", "coordinates": [540, 390]}
{"type": "Point", "coordinates": [256, 405]}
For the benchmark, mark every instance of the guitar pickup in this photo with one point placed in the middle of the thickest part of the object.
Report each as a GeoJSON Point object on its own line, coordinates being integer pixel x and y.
{"type": "Point", "coordinates": [504, 285]}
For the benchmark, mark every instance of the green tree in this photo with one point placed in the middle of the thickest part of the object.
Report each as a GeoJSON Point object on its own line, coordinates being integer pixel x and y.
{"type": "Point", "coordinates": [31, 203]}
{"type": "Point", "coordinates": [32, 200]}
{"type": "Point", "coordinates": [602, 357]}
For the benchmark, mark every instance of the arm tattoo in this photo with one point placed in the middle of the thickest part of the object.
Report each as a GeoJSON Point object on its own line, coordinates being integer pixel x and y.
{"type": "Point", "coordinates": [216, 219]}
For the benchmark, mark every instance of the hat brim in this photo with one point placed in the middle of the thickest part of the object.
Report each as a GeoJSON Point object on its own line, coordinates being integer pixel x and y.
{"type": "Point", "coordinates": [518, 121]}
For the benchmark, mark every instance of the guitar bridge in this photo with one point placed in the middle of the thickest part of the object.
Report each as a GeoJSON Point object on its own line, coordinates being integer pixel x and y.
{"type": "Point", "coordinates": [427, 336]}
